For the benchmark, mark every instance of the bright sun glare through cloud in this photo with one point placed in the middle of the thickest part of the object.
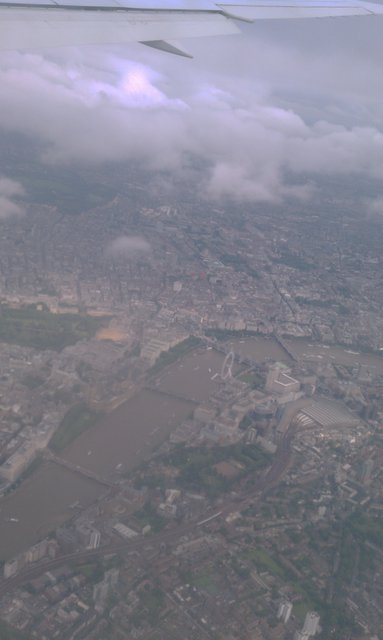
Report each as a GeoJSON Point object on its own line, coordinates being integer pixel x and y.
{"type": "Point", "coordinates": [139, 90]}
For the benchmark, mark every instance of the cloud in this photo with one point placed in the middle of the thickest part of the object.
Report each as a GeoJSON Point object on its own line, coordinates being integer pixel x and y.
{"type": "Point", "coordinates": [231, 181]}
{"type": "Point", "coordinates": [374, 205]}
{"type": "Point", "coordinates": [10, 193]}
{"type": "Point", "coordinates": [127, 247]}
{"type": "Point", "coordinates": [256, 114]}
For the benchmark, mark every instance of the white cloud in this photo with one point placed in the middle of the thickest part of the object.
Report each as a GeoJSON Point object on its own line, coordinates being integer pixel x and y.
{"type": "Point", "coordinates": [10, 193]}
{"type": "Point", "coordinates": [375, 205]}
{"type": "Point", "coordinates": [127, 247]}
{"type": "Point", "coordinates": [254, 109]}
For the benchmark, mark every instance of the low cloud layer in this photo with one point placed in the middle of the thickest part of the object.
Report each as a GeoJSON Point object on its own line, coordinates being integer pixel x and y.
{"type": "Point", "coordinates": [127, 247]}
{"type": "Point", "coordinates": [282, 105]}
{"type": "Point", "coordinates": [10, 194]}
{"type": "Point", "coordinates": [375, 206]}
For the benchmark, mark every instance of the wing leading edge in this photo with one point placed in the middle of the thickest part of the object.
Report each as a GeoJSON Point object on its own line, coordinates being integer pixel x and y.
{"type": "Point", "coordinates": [50, 23]}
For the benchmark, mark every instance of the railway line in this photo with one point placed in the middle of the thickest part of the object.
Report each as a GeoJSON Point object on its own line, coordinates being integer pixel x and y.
{"type": "Point", "coordinates": [266, 483]}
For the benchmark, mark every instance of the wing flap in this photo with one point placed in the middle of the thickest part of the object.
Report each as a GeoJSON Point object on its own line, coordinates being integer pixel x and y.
{"type": "Point", "coordinates": [167, 47]}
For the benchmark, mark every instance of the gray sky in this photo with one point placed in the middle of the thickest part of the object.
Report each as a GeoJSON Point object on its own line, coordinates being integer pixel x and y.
{"type": "Point", "coordinates": [287, 95]}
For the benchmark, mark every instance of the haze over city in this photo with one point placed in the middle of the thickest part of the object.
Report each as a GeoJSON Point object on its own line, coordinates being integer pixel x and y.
{"type": "Point", "coordinates": [191, 338]}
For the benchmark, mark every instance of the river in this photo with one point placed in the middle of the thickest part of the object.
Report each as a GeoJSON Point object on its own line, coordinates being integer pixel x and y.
{"type": "Point", "coordinates": [117, 443]}
{"type": "Point", "coordinates": [262, 348]}
{"type": "Point", "coordinates": [130, 433]}
{"type": "Point", "coordinates": [259, 349]}
{"type": "Point", "coordinates": [40, 505]}
{"type": "Point", "coordinates": [194, 377]}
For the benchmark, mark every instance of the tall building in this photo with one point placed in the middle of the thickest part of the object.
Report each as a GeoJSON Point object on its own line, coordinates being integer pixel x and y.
{"type": "Point", "coordinates": [102, 590]}
{"type": "Point", "coordinates": [13, 566]}
{"type": "Point", "coordinates": [284, 611]}
{"type": "Point", "coordinates": [367, 469]}
{"type": "Point", "coordinates": [38, 551]}
{"type": "Point", "coordinates": [311, 623]}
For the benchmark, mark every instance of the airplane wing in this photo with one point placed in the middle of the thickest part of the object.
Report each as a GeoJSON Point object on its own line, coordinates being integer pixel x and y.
{"type": "Point", "coordinates": [26, 24]}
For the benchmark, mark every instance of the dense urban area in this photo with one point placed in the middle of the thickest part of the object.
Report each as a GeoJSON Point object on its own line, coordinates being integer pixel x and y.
{"type": "Point", "coordinates": [191, 401]}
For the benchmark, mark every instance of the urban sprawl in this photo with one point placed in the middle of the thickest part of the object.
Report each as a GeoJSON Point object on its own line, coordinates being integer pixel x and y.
{"type": "Point", "coordinates": [191, 402]}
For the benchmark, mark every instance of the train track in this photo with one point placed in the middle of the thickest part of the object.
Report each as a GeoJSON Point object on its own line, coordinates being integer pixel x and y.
{"type": "Point", "coordinates": [265, 484]}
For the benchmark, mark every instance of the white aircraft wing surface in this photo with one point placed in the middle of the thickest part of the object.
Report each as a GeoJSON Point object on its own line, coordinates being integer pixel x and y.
{"type": "Point", "coordinates": [51, 23]}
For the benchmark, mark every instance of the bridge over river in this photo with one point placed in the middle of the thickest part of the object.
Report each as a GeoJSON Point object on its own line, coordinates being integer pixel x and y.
{"type": "Point", "coordinates": [86, 473]}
